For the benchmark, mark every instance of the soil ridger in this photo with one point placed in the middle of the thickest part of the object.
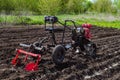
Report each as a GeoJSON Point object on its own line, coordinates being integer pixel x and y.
{"type": "Point", "coordinates": [32, 66]}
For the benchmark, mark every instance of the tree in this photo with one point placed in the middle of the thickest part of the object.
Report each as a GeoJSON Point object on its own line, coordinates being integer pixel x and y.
{"type": "Point", "coordinates": [103, 6]}
{"type": "Point", "coordinates": [33, 5]}
{"type": "Point", "coordinates": [117, 4]}
{"type": "Point", "coordinates": [63, 5]}
{"type": "Point", "coordinates": [6, 5]}
{"type": "Point", "coordinates": [76, 6]}
{"type": "Point", "coordinates": [50, 7]}
{"type": "Point", "coordinates": [88, 5]}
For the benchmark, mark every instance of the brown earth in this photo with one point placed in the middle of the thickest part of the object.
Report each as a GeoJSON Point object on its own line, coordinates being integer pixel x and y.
{"type": "Point", "coordinates": [75, 66]}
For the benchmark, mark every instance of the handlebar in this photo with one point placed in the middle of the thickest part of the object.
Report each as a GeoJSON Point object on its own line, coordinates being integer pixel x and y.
{"type": "Point", "coordinates": [28, 46]}
{"type": "Point", "coordinates": [69, 21]}
{"type": "Point", "coordinates": [54, 19]}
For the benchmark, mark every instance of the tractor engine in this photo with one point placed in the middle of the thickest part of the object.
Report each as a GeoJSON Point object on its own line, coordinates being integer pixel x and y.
{"type": "Point", "coordinates": [78, 37]}
{"type": "Point", "coordinates": [76, 33]}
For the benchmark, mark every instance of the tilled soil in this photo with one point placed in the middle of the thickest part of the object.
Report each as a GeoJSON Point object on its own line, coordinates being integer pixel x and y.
{"type": "Point", "coordinates": [106, 66]}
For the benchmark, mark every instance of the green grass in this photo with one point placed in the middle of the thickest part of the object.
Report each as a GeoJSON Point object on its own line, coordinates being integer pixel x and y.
{"type": "Point", "coordinates": [101, 20]}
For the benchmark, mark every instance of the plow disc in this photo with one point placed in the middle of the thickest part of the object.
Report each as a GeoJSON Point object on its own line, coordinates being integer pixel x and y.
{"type": "Point", "coordinates": [32, 66]}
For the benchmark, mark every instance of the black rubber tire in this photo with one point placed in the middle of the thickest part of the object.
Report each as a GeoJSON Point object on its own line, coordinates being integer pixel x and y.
{"type": "Point", "coordinates": [58, 54]}
{"type": "Point", "coordinates": [90, 49]}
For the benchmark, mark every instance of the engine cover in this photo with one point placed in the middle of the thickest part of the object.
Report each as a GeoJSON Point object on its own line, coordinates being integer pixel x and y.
{"type": "Point", "coordinates": [77, 32]}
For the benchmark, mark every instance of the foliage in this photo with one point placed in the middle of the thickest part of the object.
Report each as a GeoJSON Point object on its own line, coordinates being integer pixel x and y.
{"type": "Point", "coordinates": [102, 6]}
{"type": "Point", "coordinates": [117, 4]}
{"type": "Point", "coordinates": [6, 5]}
{"type": "Point", "coordinates": [54, 7]}
{"type": "Point", "coordinates": [50, 7]}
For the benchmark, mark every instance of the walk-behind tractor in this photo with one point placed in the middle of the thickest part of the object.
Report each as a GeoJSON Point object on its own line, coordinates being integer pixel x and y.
{"type": "Point", "coordinates": [79, 43]}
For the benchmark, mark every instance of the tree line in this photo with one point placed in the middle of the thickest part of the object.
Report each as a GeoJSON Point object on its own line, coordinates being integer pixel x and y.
{"type": "Point", "coordinates": [53, 7]}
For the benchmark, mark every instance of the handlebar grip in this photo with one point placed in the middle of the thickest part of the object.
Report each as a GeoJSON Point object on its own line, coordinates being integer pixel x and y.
{"type": "Point", "coordinates": [28, 46]}
{"type": "Point", "coordinates": [24, 45]}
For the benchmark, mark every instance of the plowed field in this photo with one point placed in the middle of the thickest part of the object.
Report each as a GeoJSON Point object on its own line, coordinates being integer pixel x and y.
{"type": "Point", "coordinates": [75, 66]}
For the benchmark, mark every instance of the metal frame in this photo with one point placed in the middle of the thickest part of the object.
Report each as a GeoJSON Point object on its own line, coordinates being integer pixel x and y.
{"type": "Point", "coordinates": [52, 30]}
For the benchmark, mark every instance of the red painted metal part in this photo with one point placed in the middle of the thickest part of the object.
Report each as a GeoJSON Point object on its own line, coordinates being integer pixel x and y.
{"type": "Point", "coordinates": [32, 66]}
{"type": "Point", "coordinates": [27, 53]}
{"type": "Point", "coordinates": [87, 27]}
{"type": "Point", "coordinates": [87, 33]}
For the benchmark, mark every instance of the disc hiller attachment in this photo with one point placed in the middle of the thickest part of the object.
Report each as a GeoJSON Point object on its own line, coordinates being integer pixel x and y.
{"type": "Point", "coordinates": [32, 66]}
